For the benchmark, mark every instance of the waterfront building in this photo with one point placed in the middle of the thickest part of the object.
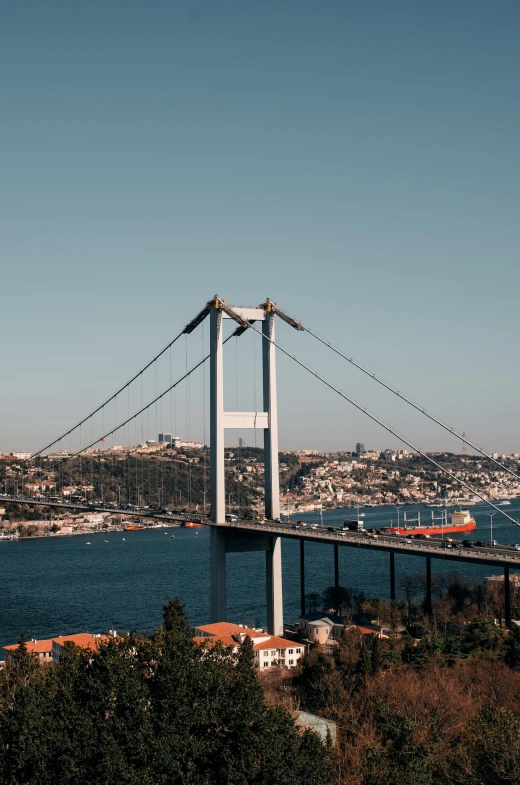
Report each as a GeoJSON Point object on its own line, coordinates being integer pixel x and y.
{"type": "Point", "coordinates": [269, 650]}
{"type": "Point", "coordinates": [84, 640]}
{"type": "Point", "coordinates": [48, 651]}
{"type": "Point", "coordinates": [327, 629]}
{"type": "Point", "coordinates": [42, 649]}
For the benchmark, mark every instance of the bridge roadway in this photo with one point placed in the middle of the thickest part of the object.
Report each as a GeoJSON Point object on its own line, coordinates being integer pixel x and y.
{"type": "Point", "coordinates": [500, 556]}
{"type": "Point", "coordinates": [87, 507]}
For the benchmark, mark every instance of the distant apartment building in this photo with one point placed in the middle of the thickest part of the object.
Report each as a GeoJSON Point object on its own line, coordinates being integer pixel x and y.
{"type": "Point", "coordinates": [360, 449]}
{"type": "Point", "coordinates": [269, 650]}
{"type": "Point", "coordinates": [191, 445]}
{"type": "Point", "coordinates": [83, 640]}
{"type": "Point", "coordinates": [22, 456]}
{"type": "Point", "coordinates": [42, 649]}
{"type": "Point", "coordinates": [164, 438]}
{"type": "Point", "coordinates": [49, 651]}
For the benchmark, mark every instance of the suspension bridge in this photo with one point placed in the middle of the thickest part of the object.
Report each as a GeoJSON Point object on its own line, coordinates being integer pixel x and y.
{"type": "Point", "coordinates": [86, 442]}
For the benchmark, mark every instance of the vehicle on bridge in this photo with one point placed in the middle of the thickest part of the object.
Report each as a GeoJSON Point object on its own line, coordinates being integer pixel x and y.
{"type": "Point", "coordinates": [354, 526]}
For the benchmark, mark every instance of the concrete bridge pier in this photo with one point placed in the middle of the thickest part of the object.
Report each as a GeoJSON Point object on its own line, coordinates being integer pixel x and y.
{"type": "Point", "coordinates": [392, 576]}
{"type": "Point", "coordinates": [428, 599]}
{"type": "Point", "coordinates": [217, 574]}
{"type": "Point", "coordinates": [336, 573]}
{"type": "Point", "coordinates": [227, 540]}
{"type": "Point", "coordinates": [507, 597]}
{"type": "Point", "coordinates": [302, 577]}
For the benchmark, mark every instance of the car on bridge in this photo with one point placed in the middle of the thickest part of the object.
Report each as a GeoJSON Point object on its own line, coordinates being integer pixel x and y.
{"type": "Point", "coordinates": [514, 547]}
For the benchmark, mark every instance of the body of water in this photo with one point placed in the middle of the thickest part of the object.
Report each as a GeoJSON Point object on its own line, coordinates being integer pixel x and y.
{"type": "Point", "coordinates": [60, 585]}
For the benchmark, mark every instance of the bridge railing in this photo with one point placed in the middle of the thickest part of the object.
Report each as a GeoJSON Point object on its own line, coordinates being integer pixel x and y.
{"type": "Point", "coordinates": [419, 548]}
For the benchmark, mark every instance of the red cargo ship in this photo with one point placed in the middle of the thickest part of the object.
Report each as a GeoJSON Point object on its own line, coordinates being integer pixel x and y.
{"type": "Point", "coordinates": [461, 522]}
{"type": "Point", "coordinates": [192, 524]}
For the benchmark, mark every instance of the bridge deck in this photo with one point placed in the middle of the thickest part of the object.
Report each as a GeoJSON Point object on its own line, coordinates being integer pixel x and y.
{"type": "Point", "coordinates": [500, 556]}
{"type": "Point", "coordinates": [492, 557]}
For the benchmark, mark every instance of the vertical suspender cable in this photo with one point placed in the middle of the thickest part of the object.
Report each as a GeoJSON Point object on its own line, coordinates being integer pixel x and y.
{"type": "Point", "coordinates": [380, 422]}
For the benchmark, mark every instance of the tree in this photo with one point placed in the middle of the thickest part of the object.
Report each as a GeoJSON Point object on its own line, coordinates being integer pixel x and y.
{"type": "Point", "coordinates": [409, 586]}
{"type": "Point", "coordinates": [493, 757]}
{"type": "Point", "coordinates": [149, 711]}
{"type": "Point", "coordinates": [312, 600]}
{"type": "Point", "coordinates": [511, 649]}
{"type": "Point", "coordinates": [339, 599]}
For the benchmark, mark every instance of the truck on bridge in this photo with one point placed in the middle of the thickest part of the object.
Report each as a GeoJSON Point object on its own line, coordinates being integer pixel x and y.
{"type": "Point", "coordinates": [354, 526]}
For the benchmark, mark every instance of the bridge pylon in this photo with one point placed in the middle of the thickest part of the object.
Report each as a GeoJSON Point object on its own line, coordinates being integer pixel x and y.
{"type": "Point", "coordinates": [225, 540]}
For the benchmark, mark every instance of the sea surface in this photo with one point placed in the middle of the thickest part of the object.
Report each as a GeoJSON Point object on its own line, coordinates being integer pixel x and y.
{"type": "Point", "coordinates": [60, 585]}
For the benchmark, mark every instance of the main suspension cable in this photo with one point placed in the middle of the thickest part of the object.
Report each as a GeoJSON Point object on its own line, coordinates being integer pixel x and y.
{"type": "Point", "coordinates": [109, 400]}
{"type": "Point", "coordinates": [143, 409]}
{"type": "Point", "coordinates": [375, 419]}
{"type": "Point", "coordinates": [418, 408]}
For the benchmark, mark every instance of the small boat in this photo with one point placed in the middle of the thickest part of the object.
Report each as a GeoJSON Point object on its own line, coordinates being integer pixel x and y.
{"type": "Point", "coordinates": [134, 527]}
{"type": "Point", "coordinates": [106, 540]}
{"type": "Point", "coordinates": [192, 524]}
{"type": "Point", "coordinates": [361, 514]}
{"type": "Point", "coordinates": [88, 543]}
{"type": "Point", "coordinates": [123, 539]}
{"type": "Point", "coordinates": [503, 504]}
{"type": "Point", "coordinates": [173, 536]}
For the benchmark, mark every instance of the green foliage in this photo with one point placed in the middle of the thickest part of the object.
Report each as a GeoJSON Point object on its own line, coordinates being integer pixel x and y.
{"type": "Point", "coordinates": [341, 599]}
{"type": "Point", "coordinates": [149, 711]}
{"type": "Point", "coordinates": [401, 757]}
{"type": "Point", "coordinates": [493, 755]}
{"type": "Point", "coordinates": [511, 649]}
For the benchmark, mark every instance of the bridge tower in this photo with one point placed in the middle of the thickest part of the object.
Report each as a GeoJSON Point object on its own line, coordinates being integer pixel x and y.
{"type": "Point", "coordinates": [224, 539]}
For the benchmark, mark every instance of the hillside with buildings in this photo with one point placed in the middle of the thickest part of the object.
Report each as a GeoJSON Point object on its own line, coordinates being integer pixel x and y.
{"type": "Point", "coordinates": [174, 474]}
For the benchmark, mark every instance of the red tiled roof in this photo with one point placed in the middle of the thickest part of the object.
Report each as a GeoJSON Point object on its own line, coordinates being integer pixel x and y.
{"type": "Point", "coordinates": [225, 640]}
{"type": "Point", "coordinates": [227, 628]}
{"type": "Point", "coordinates": [85, 640]}
{"type": "Point", "coordinates": [364, 630]}
{"type": "Point", "coordinates": [38, 647]}
{"type": "Point", "coordinates": [277, 643]}
{"type": "Point", "coordinates": [224, 631]}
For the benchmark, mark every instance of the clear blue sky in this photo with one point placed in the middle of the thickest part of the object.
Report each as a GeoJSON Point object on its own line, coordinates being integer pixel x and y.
{"type": "Point", "coordinates": [356, 162]}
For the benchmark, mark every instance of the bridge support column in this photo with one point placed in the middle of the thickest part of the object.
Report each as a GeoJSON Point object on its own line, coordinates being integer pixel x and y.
{"type": "Point", "coordinates": [273, 575]}
{"type": "Point", "coordinates": [302, 578]}
{"type": "Point", "coordinates": [271, 472]}
{"type": "Point", "coordinates": [336, 574]}
{"type": "Point", "coordinates": [507, 597]}
{"type": "Point", "coordinates": [392, 576]}
{"type": "Point", "coordinates": [428, 599]}
{"type": "Point", "coordinates": [218, 575]}
{"type": "Point", "coordinates": [217, 484]}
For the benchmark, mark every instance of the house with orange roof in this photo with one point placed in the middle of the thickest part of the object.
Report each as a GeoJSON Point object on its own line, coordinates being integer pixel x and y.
{"type": "Point", "coordinates": [269, 650]}
{"type": "Point", "coordinates": [49, 651]}
{"type": "Point", "coordinates": [84, 640]}
{"type": "Point", "coordinates": [42, 649]}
